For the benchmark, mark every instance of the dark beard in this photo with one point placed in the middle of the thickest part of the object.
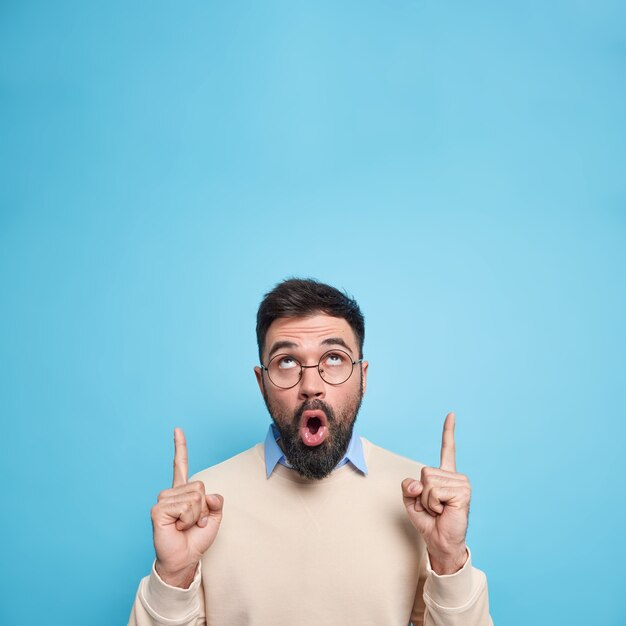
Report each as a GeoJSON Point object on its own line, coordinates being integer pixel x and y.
{"type": "Point", "coordinates": [316, 462]}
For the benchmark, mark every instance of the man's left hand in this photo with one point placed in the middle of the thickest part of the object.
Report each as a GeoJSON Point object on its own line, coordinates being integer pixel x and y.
{"type": "Point", "coordinates": [438, 507]}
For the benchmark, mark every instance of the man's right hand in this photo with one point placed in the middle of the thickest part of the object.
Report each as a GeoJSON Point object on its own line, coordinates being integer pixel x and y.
{"type": "Point", "coordinates": [185, 521]}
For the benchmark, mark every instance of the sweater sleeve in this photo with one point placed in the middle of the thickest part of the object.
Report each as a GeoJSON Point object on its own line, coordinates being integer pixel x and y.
{"type": "Point", "coordinates": [158, 603]}
{"type": "Point", "coordinates": [459, 599]}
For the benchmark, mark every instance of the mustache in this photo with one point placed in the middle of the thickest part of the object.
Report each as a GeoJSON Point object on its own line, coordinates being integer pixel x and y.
{"type": "Point", "coordinates": [314, 405]}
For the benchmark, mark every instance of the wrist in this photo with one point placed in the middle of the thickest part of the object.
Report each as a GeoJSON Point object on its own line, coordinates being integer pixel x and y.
{"type": "Point", "coordinates": [449, 563]}
{"type": "Point", "coordinates": [181, 578]}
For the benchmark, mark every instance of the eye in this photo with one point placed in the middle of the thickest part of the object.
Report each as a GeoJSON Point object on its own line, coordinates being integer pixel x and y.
{"type": "Point", "coordinates": [286, 362]}
{"type": "Point", "coordinates": [333, 359]}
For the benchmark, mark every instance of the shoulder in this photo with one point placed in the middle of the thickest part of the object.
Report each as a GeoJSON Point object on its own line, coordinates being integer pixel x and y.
{"type": "Point", "coordinates": [382, 463]}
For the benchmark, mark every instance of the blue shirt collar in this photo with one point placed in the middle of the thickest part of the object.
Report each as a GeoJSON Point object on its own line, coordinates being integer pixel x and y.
{"type": "Point", "coordinates": [274, 455]}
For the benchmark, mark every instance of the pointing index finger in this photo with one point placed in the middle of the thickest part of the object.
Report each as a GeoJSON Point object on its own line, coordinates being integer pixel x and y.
{"type": "Point", "coordinates": [448, 460]}
{"type": "Point", "coordinates": [181, 465]}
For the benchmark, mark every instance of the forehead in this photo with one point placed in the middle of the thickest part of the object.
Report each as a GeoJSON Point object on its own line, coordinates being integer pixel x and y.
{"type": "Point", "coordinates": [309, 331]}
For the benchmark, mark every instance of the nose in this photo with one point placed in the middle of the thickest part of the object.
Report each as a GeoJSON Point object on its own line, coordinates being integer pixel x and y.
{"type": "Point", "coordinates": [311, 384]}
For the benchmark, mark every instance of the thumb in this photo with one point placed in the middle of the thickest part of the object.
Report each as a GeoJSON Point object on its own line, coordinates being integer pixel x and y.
{"type": "Point", "coordinates": [215, 502]}
{"type": "Point", "coordinates": [411, 489]}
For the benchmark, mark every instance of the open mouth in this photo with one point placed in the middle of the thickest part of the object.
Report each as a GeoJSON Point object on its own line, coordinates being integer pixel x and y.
{"type": "Point", "coordinates": [314, 424]}
{"type": "Point", "coordinates": [313, 427]}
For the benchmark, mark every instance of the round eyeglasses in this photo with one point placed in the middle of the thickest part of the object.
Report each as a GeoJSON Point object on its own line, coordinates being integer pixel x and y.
{"type": "Point", "coordinates": [334, 366]}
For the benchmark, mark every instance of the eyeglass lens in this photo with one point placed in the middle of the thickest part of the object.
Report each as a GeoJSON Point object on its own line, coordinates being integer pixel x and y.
{"type": "Point", "coordinates": [335, 367]}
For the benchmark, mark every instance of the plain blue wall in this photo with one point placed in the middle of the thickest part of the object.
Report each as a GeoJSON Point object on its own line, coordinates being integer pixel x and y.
{"type": "Point", "coordinates": [458, 167]}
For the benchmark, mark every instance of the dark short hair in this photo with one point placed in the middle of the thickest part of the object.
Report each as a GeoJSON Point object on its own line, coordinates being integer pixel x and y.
{"type": "Point", "coordinates": [302, 297]}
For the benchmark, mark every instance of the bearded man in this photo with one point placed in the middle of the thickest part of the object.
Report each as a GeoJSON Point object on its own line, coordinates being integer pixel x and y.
{"type": "Point", "coordinates": [316, 525]}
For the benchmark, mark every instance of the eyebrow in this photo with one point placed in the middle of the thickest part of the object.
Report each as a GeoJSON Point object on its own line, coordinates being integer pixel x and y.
{"type": "Point", "coordinates": [336, 341]}
{"type": "Point", "coordinates": [331, 341]}
{"type": "Point", "coordinates": [279, 345]}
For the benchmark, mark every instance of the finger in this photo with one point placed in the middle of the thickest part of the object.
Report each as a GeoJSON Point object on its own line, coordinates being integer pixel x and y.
{"type": "Point", "coordinates": [215, 503]}
{"type": "Point", "coordinates": [189, 516]}
{"type": "Point", "coordinates": [438, 497]}
{"type": "Point", "coordinates": [435, 500]}
{"type": "Point", "coordinates": [211, 508]}
{"type": "Point", "coordinates": [184, 511]}
{"type": "Point", "coordinates": [173, 506]}
{"type": "Point", "coordinates": [417, 506]}
{"type": "Point", "coordinates": [424, 499]}
{"type": "Point", "coordinates": [428, 486]}
{"type": "Point", "coordinates": [412, 495]}
{"type": "Point", "coordinates": [174, 492]}
{"type": "Point", "coordinates": [448, 460]}
{"type": "Point", "coordinates": [181, 467]}
{"type": "Point", "coordinates": [411, 490]}
{"type": "Point", "coordinates": [205, 511]}
{"type": "Point", "coordinates": [436, 476]}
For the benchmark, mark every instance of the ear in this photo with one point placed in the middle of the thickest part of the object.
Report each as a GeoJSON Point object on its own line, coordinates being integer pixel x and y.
{"type": "Point", "coordinates": [364, 367]}
{"type": "Point", "coordinates": [258, 372]}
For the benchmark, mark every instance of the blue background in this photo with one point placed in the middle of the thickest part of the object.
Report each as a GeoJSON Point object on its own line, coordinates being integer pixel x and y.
{"type": "Point", "coordinates": [458, 167]}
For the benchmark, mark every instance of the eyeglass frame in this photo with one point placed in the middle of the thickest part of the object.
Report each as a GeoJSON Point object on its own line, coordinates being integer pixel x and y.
{"type": "Point", "coordinates": [303, 367]}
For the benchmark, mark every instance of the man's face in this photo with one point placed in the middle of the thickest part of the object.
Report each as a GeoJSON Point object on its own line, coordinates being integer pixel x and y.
{"type": "Point", "coordinates": [314, 418]}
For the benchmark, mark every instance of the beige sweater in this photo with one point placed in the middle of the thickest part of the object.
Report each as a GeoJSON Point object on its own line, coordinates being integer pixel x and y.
{"type": "Point", "coordinates": [298, 552]}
